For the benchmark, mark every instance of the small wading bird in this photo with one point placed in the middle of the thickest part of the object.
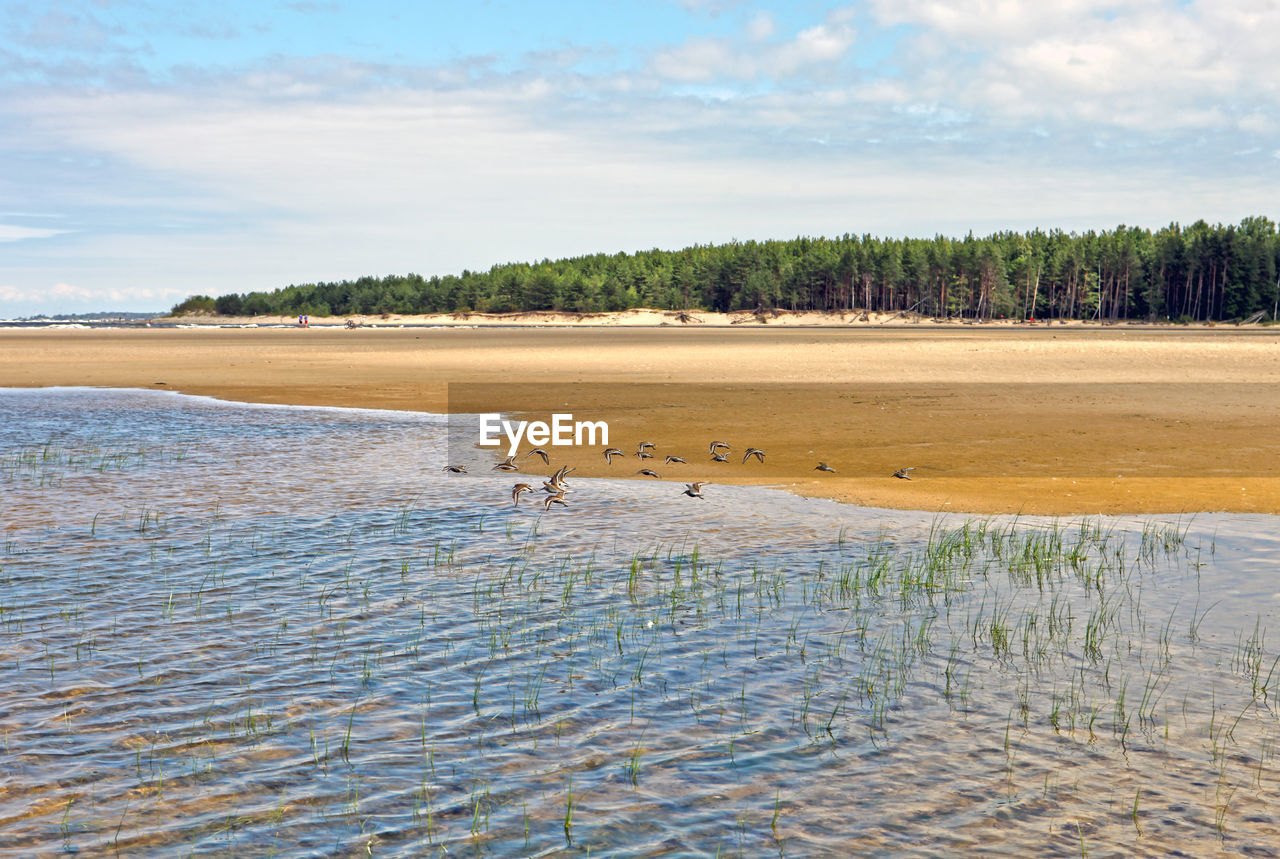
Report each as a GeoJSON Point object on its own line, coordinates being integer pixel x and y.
{"type": "Point", "coordinates": [822, 466]}
{"type": "Point", "coordinates": [518, 490]}
{"type": "Point", "coordinates": [716, 444]}
{"type": "Point", "coordinates": [753, 451]}
{"type": "Point", "coordinates": [610, 453]}
{"type": "Point", "coordinates": [719, 457]}
{"type": "Point", "coordinates": [555, 483]}
{"type": "Point", "coordinates": [540, 452]}
{"type": "Point", "coordinates": [554, 499]}
{"type": "Point", "coordinates": [645, 445]}
{"type": "Point", "coordinates": [671, 459]}
{"type": "Point", "coordinates": [904, 473]}
{"type": "Point", "coordinates": [649, 472]}
{"type": "Point", "coordinates": [508, 465]}
{"type": "Point", "coordinates": [455, 469]}
{"type": "Point", "coordinates": [694, 490]}
{"type": "Point", "coordinates": [644, 454]}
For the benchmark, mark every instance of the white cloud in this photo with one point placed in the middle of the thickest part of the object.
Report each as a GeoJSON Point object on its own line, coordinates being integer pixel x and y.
{"type": "Point", "coordinates": [1257, 122]}
{"type": "Point", "coordinates": [61, 291]}
{"type": "Point", "coordinates": [68, 295]}
{"type": "Point", "coordinates": [11, 233]}
{"type": "Point", "coordinates": [711, 7]}
{"type": "Point", "coordinates": [704, 60]}
{"type": "Point", "coordinates": [761, 26]}
{"type": "Point", "coordinates": [1147, 66]}
{"type": "Point", "coordinates": [994, 21]}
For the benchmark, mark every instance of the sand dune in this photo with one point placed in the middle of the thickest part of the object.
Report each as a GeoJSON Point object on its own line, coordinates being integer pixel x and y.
{"type": "Point", "coordinates": [641, 317]}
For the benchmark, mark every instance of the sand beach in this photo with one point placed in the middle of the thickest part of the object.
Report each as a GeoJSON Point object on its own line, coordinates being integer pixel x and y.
{"type": "Point", "coordinates": [1060, 419]}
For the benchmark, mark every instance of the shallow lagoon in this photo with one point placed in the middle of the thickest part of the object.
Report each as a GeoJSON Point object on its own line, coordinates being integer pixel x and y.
{"type": "Point", "coordinates": [231, 629]}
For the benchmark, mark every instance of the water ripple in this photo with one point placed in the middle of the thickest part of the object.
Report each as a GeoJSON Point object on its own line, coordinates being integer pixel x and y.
{"type": "Point", "coordinates": [238, 630]}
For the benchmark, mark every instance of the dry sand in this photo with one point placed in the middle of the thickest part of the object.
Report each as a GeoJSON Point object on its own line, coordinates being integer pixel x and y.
{"type": "Point", "coordinates": [624, 319]}
{"type": "Point", "coordinates": [1060, 419]}
{"type": "Point", "coordinates": [647, 317]}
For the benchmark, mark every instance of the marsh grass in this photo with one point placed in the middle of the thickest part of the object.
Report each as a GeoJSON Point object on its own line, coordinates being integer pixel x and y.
{"type": "Point", "coordinates": [49, 463]}
{"type": "Point", "coordinates": [380, 677]}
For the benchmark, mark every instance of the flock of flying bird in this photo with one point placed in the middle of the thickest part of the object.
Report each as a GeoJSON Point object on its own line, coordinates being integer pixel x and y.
{"type": "Point", "coordinates": [555, 486]}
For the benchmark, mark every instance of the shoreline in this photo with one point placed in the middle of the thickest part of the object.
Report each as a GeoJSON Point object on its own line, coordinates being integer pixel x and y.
{"type": "Point", "coordinates": [801, 487]}
{"type": "Point", "coordinates": [1088, 421]}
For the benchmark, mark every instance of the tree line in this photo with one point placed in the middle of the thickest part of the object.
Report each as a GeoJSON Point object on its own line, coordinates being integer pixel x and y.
{"type": "Point", "coordinates": [1195, 273]}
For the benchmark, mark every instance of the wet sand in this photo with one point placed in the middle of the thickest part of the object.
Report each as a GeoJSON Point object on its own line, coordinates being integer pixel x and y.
{"type": "Point", "coordinates": [1050, 420]}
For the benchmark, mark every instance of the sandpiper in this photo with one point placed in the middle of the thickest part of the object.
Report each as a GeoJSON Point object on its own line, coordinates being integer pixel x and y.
{"type": "Point", "coordinates": [508, 465]}
{"type": "Point", "coordinates": [694, 490]}
{"type": "Point", "coordinates": [645, 445]}
{"type": "Point", "coordinates": [716, 444]}
{"type": "Point", "coordinates": [554, 499]}
{"type": "Point", "coordinates": [610, 453]}
{"type": "Point", "coordinates": [719, 457]}
{"type": "Point", "coordinates": [540, 452]}
{"type": "Point", "coordinates": [671, 459]}
{"type": "Point", "coordinates": [822, 466]}
{"type": "Point", "coordinates": [518, 490]}
{"type": "Point", "coordinates": [649, 472]}
{"type": "Point", "coordinates": [555, 483]}
{"type": "Point", "coordinates": [753, 451]}
{"type": "Point", "coordinates": [904, 473]}
{"type": "Point", "coordinates": [455, 469]}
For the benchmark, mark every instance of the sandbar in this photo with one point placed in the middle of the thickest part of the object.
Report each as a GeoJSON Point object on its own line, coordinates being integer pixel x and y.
{"type": "Point", "coordinates": [1060, 420]}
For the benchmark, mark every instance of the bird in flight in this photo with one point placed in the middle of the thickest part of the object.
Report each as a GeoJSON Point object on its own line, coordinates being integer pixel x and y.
{"type": "Point", "coordinates": [518, 490]}
{"type": "Point", "coordinates": [649, 472]}
{"type": "Point", "coordinates": [540, 452]}
{"type": "Point", "coordinates": [719, 457]}
{"type": "Point", "coordinates": [455, 469]}
{"type": "Point", "coordinates": [716, 444]}
{"type": "Point", "coordinates": [554, 499]}
{"type": "Point", "coordinates": [610, 453]}
{"type": "Point", "coordinates": [904, 473]}
{"type": "Point", "coordinates": [822, 466]}
{"type": "Point", "coordinates": [555, 483]}
{"type": "Point", "coordinates": [753, 451]}
{"type": "Point", "coordinates": [694, 490]}
{"type": "Point", "coordinates": [671, 459]}
{"type": "Point", "coordinates": [507, 465]}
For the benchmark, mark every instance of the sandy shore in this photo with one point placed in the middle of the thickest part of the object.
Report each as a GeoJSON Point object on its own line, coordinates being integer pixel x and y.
{"type": "Point", "coordinates": [552, 318]}
{"type": "Point", "coordinates": [1058, 419]}
{"type": "Point", "coordinates": [645, 317]}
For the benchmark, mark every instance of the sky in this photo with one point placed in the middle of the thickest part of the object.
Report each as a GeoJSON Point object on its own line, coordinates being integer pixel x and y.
{"type": "Point", "coordinates": [150, 151]}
